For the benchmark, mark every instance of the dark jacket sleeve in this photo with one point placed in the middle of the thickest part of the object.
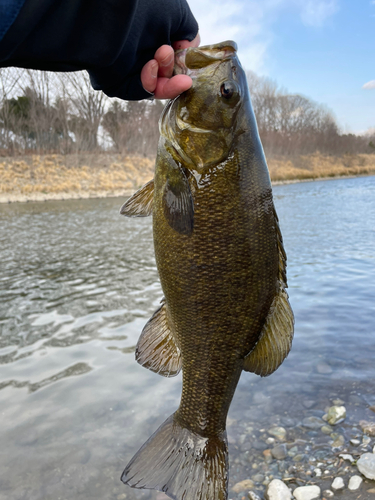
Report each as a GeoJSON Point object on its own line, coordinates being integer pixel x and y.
{"type": "Point", "coordinates": [111, 39]}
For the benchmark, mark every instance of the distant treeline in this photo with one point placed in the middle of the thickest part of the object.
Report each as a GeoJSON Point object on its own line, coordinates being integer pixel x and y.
{"type": "Point", "coordinates": [43, 112]}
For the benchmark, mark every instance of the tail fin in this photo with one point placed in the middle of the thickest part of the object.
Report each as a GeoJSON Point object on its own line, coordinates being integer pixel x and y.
{"type": "Point", "coordinates": [181, 463]}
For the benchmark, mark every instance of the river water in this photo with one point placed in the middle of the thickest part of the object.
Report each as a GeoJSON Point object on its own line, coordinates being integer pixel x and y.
{"type": "Point", "coordinates": [78, 282]}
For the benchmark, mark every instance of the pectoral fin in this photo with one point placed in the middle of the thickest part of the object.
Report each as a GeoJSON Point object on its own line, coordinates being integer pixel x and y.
{"type": "Point", "coordinates": [156, 348]}
{"type": "Point", "coordinates": [140, 204]}
{"type": "Point", "coordinates": [275, 340]}
{"type": "Point", "coordinates": [178, 202]}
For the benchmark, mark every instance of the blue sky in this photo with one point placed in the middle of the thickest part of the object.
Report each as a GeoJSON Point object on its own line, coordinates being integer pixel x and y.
{"type": "Point", "coordinates": [323, 49]}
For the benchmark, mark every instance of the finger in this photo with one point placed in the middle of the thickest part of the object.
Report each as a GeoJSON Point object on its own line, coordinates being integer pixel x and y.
{"type": "Point", "coordinates": [169, 88]}
{"type": "Point", "coordinates": [165, 58]}
{"type": "Point", "coordinates": [184, 44]}
{"type": "Point", "coordinates": [149, 75]}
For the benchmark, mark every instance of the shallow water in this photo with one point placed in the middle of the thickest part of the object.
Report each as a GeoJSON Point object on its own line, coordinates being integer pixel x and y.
{"type": "Point", "coordinates": [78, 282]}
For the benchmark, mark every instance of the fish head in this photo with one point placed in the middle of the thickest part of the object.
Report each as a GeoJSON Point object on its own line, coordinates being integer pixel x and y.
{"type": "Point", "coordinates": [200, 125]}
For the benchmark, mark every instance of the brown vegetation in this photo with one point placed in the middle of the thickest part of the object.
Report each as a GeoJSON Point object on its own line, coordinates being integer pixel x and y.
{"type": "Point", "coordinates": [87, 175]}
{"type": "Point", "coordinates": [72, 176]}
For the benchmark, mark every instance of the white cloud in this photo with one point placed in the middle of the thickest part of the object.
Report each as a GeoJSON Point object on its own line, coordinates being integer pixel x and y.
{"type": "Point", "coordinates": [369, 85]}
{"type": "Point", "coordinates": [250, 23]}
{"type": "Point", "coordinates": [315, 13]}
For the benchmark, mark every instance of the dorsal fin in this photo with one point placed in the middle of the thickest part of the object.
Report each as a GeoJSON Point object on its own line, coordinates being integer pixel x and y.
{"type": "Point", "coordinates": [140, 204]}
{"type": "Point", "coordinates": [277, 334]}
{"type": "Point", "coordinates": [157, 349]}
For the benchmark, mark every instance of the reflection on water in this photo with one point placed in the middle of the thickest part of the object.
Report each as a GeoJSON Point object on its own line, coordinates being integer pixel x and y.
{"type": "Point", "coordinates": [78, 282]}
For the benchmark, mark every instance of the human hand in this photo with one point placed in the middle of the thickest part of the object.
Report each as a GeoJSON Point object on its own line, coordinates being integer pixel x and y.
{"type": "Point", "coordinates": [156, 75]}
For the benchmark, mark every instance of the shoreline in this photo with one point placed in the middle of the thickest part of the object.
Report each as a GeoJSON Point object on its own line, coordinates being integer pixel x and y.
{"type": "Point", "coordinates": [7, 198]}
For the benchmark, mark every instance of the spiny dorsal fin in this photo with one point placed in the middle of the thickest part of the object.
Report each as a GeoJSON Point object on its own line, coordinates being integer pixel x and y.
{"type": "Point", "coordinates": [275, 340]}
{"type": "Point", "coordinates": [156, 348]}
{"type": "Point", "coordinates": [277, 334]}
{"type": "Point", "coordinates": [140, 204]}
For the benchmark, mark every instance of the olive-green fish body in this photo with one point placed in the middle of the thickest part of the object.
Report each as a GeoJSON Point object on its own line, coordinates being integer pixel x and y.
{"type": "Point", "coordinates": [221, 263]}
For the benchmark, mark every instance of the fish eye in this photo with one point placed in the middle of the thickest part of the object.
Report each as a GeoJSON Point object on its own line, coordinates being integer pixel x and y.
{"type": "Point", "coordinates": [228, 89]}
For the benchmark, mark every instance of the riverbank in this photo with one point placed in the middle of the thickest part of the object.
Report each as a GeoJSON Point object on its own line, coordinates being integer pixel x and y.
{"type": "Point", "coordinates": [58, 177]}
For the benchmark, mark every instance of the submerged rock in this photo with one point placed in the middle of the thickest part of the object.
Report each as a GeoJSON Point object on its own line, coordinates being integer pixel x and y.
{"type": "Point", "coordinates": [307, 492]}
{"type": "Point", "coordinates": [278, 432]}
{"type": "Point", "coordinates": [355, 483]}
{"type": "Point", "coordinates": [244, 485]}
{"type": "Point", "coordinates": [279, 452]}
{"type": "Point", "coordinates": [366, 465]}
{"type": "Point", "coordinates": [277, 490]}
{"type": "Point", "coordinates": [336, 414]}
{"type": "Point", "coordinates": [368, 427]}
{"type": "Point", "coordinates": [313, 422]}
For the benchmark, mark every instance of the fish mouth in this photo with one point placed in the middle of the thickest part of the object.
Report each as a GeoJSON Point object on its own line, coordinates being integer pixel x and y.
{"type": "Point", "coordinates": [182, 125]}
{"type": "Point", "coordinates": [190, 60]}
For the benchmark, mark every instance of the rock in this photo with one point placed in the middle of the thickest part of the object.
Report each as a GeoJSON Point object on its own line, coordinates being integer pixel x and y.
{"type": "Point", "coordinates": [253, 496]}
{"type": "Point", "coordinates": [366, 440]}
{"type": "Point", "coordinates": [368, 427]}
{"type": "Point", "coordinates": [307, 492]}
{"type": "Point", "coordinates": [336, 414]}
{"type": "Point", "coordinates": [277, 490]}
{"type": "Point", "coordinates": [338, 402]}
{"type": "Point", "coordinates": [338, 440]}
{"type": "Point", "coordinates": [246, 484]}
{"type": "Point", "coordinates": [278, 432]}
{"type": "Point", "coordinates": [279, 452]}
{"type": "Point", "coordinates": [366, 465]}
{"type": "Point", "coordinates": [327, 429]}
{"type": "Point", "coordinates": [293, 451]}
{"type": "Point", "coordinates": [318, 472]}
{"type": "Point", "coordinates": [308, 403]}
{"type": "Point", "coordinates": [323, 368]}
{"type": "Point", "coordinates": [338, 484]}
{"type": "Point", "coordinates": [355, 442]}
{"type": "Point", "coordinates": [258, 478]}
{"type": "Point", "coordinates": [328, 494]}
{"type": "Point", "coordinates": [346, 456]}
{"type": "Point", "coordinates": [270, 440]}
{"type": "Point", "coordinates": [312, 423]}
{"type": "Point", "coordinates": [372, 408]}
{"type": "Point", "coordinates": [354, 483]}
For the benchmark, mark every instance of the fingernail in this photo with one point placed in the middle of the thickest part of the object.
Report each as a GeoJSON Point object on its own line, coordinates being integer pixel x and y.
{"type": "Point", "coordinates": [154, 70]}
{"type": "Point", "coordinates": [167, 60]}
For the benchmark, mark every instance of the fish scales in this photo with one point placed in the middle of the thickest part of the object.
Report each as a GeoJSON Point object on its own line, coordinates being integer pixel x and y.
{"type": "Point", "coordinates": [221, 264]}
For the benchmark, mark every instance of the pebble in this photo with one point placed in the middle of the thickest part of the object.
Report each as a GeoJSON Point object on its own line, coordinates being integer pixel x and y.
{"type": "Point", "coordinates": [327, 429]}
{"type": "Point", "coordinates": [258, 478]}
{"type": "Point", "coordinates": [307, 492]}
{"type": "Point", "coordinates": [372, 408]}
{"type": "Point", "coordinates": [253, 496]}
{"type": "Point", "coordinates": [318, 472]}
{"type": "Point", "coordinates": [366, 440]}
{"type": "Point", "coordinates": [279, 452]}
{"type": "Point", "coordinates": [270, 440]}
{"type": "Point", "coordinates": [346, 456]}
{"type": "Point", "coordinates": [336, 414]}
{"type": "Point", "coordinates": [246, 484]}
{"type": "Point", "coordinates": [278, 432]}
{"type": "Point", "coordinates": [368, 427]}
{"type": "Point", "coordinates": [312, 422]}
{"type": "Point", "coordinates": [354, 483]}
{"type": "Point", "coordinates": [338, 484]}
{"type": "Point", "coordinates": [366, 465]}
{"type": "Point", "coordinates": [328, 494]}
{"type": "Point", "coordinates": [338, 402]}
{"type": "Point", "coordinates": [338, 440]}
{"type": "Point", "coordinates": [277, 490]}
{"type": "Point", "coordinates": [293, 451]}
{"type": "Point", "coordinates": [355, 442]}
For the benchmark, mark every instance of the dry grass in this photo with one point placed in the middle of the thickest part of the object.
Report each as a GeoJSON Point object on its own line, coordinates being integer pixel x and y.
{"type": "Point", "coordinates": [72, 176]}
{"type": "Point", "coordinates": [319, 166]}
{"type": "Point", "coordinates": [83, 176]}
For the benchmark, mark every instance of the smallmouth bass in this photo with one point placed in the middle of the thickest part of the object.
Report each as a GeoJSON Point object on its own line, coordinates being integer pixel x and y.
{"type": "Point", "coordinates": [222, 268]}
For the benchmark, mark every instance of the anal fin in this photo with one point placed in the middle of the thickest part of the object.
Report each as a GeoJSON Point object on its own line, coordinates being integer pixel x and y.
{"type": "Point", "coordinates": [140, 204]}
{"type": "Point", "coordinates": [276, 337]}
{"type": "Point", "coordinates": [156, 348]}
